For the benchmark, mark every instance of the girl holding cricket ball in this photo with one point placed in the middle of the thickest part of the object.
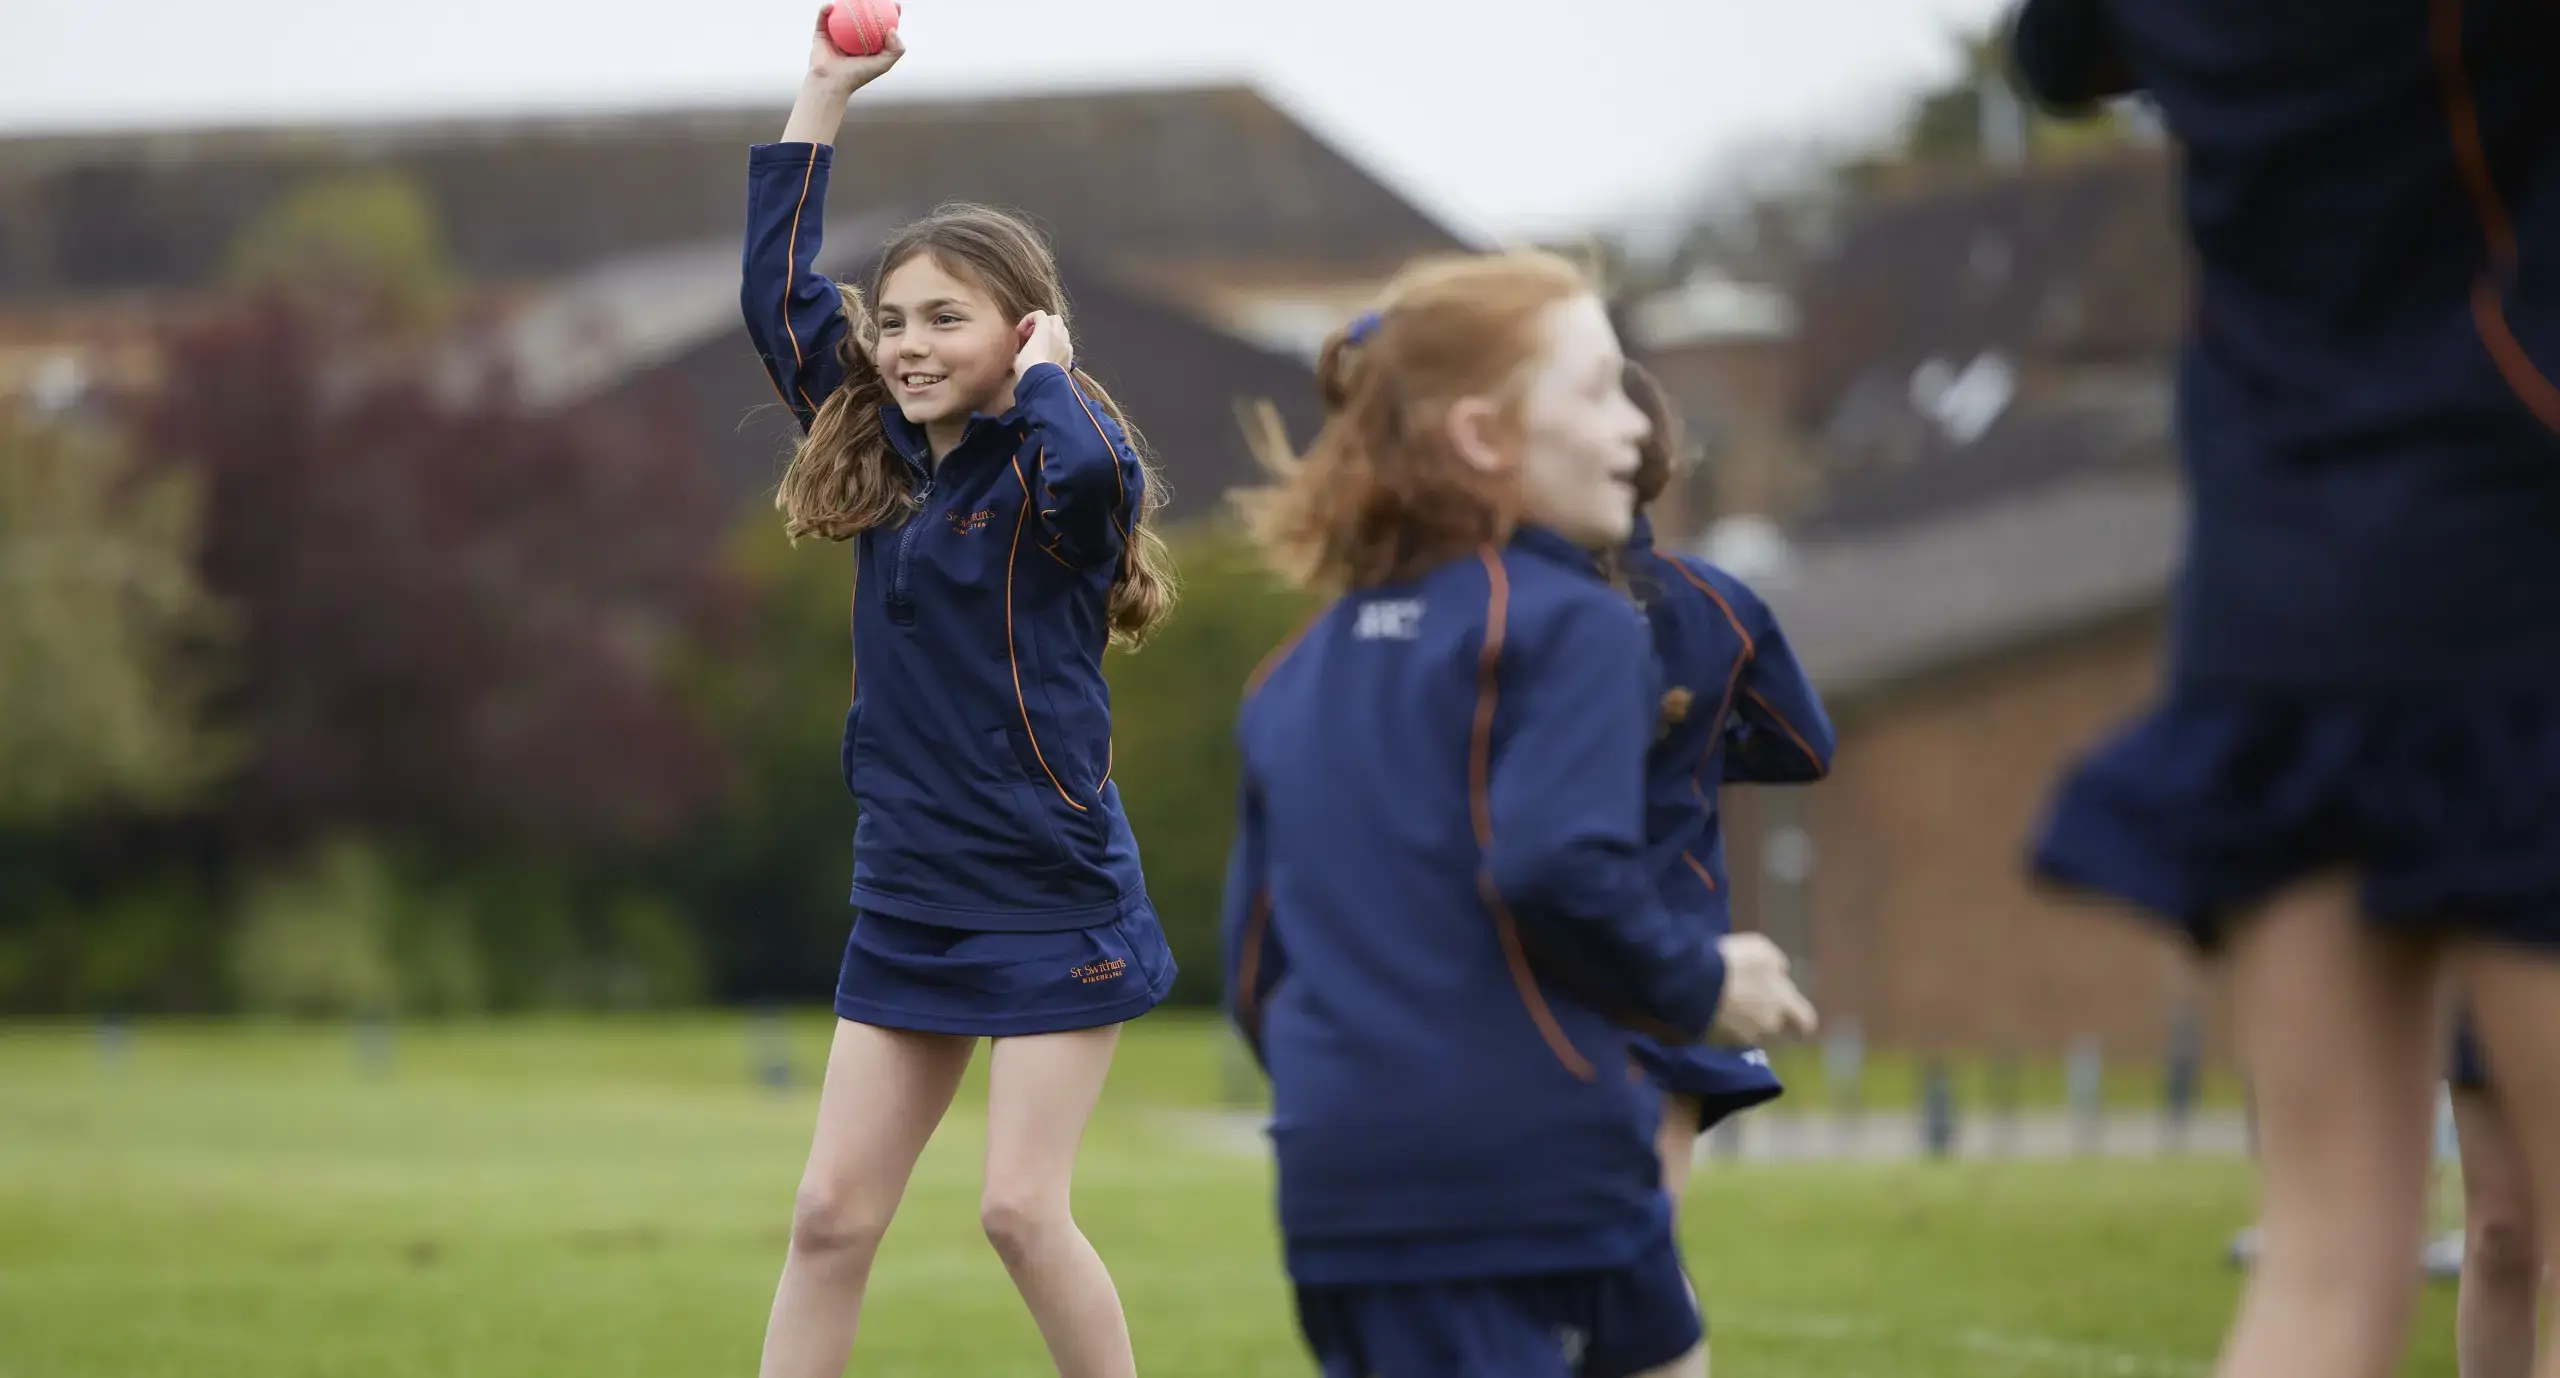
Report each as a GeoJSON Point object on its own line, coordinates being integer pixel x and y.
{"type": "Point", "coordinates": [1000, 506]}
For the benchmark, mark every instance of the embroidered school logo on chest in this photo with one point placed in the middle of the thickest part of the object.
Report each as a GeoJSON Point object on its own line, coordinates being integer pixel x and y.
{"type": "Point", "coordinates": [1095, 973]}
{"type": "Point", "coordinates": [1676, 702]}
{"type": "Point", "coordinates": [1393, 619]}
{"type": "Point", "coordinates": [969, 523]}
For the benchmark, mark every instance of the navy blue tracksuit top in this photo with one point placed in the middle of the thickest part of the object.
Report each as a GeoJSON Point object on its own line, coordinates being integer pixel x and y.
{"type": "Point", "coordinates": [2367, 409]}
{"type": "Point", "coordinates": [979, 741]}
{"type": "Point", "coordinates": [1752, 717]}
{"type": "Point", "coordinates": [1439, 920]}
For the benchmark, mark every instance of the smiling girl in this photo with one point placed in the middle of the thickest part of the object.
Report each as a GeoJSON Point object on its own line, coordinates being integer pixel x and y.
{"type": "Point", "coordinates": [999, 503]}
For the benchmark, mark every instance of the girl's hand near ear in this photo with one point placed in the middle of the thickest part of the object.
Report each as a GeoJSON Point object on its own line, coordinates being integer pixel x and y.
{"type": "Point", "coordinates": [1044, 341]}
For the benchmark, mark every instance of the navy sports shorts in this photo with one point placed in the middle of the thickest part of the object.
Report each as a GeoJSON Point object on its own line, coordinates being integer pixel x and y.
{"type": "Point", "coordinates": [1611, 1323]}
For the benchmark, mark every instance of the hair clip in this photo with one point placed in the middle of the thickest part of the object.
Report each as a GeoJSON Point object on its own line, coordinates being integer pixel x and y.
{"type": "Point", "coordinates": [1362, 327]}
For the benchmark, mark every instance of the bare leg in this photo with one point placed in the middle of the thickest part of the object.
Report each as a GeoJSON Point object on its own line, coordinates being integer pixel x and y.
{"type": "Point", "coordinates": [2341, 1040]}
{"type": "Point", "coordinates": [2501, 1267]}
{"type": "Point", "coordinates": [1041, 1093]}
{"type": "Point", "coordinates": [885, 1091]}
{"type": "Point", "coordinates": [1677, 1145]}
{"type": "Point", "coordinates": [2515, 1005]}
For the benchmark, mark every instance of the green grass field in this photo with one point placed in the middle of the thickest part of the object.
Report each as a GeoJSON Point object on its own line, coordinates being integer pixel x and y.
{"type": "Point", "coordinates": [609, 1196]}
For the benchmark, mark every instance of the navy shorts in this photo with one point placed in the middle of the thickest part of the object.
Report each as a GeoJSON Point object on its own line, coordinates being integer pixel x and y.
{"type": "Point", "coordinates": [2447, 808]}
{"type": "Point", "coordinates": [899, 974]}
{"type": "Point", "coordinates": [1608, 1324]}
{"type": "Point", "coordinates": [1723, 1081]}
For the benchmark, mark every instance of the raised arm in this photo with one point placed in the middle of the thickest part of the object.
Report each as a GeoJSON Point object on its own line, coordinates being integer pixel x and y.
{"type": "Point", "coordinates": [794, 315]}
{"type": "Point", "coordinates": [1090, 480]}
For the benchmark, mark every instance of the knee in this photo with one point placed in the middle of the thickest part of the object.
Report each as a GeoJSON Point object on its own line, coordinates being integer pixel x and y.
{"type": "Point", "coordinates": [1017, 1222]}
{"type": "Point", "coordinates": [2498, 1247]}
{"type": "Point", "coordinates": [828, 1219]}
{"type": "Point", "coordinates": [2342, 1265]}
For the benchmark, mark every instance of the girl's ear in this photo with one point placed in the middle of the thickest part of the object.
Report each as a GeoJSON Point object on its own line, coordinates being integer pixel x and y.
{"type": "Point", "coordinates": [1473, 427]}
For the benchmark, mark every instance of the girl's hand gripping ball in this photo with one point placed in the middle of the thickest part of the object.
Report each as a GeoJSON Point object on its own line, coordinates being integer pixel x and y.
{"type": "Point", "coordinates": [862, 28]}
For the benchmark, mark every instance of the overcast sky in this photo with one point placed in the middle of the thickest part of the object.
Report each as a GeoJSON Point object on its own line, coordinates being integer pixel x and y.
{"type": "Point", "coordinates": [1509, 116]}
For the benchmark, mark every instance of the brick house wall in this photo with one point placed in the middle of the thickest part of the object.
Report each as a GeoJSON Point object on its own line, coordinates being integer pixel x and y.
{"type": "Point", "coordinates": [1925, 925]}
{"type": "Point", "coordinates": [1735, 395]}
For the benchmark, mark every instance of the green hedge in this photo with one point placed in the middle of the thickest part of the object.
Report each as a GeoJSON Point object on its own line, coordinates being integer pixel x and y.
{"type": "Point", "coordinates": [748, 904]}
{"type": "Point", "coordinates": [1173, 714]}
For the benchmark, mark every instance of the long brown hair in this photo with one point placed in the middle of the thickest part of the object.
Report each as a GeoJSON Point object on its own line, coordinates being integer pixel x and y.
{"type": "Point", "coordinates": [1664, 452]}
{"type": "Point", "coordinates": [1659, 459]}
{"type": "Point", "coordinates": [1379, 495]}
{"type": "Point", "coordinates": [845, 480]}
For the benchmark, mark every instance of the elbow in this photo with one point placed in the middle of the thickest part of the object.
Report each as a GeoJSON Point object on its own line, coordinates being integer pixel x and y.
{"type": "Point", "coordinates": [1528, 883]}
{"type": "Point", "coordinates": [755, 299]}
{"type": "Point", "coordinates": [1651, 978]}
{"type": "Point", "coordinates": [756, 314]}
{"type": "Point", "coordinates": [1557, 894]}
{"type": "Point", "coordinates": [1822, 750]}
{"type": "Point", "coordinates": [1082, 513]}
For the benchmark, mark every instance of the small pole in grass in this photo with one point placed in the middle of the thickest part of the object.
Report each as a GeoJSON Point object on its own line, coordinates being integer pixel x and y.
{"type": "Point", "coordinates": [373, 1043]}
{"type": "Point", "coordinates": [1937, 1109]}
{"type": "Point", "coordinates": [115, 1038]}
{"type": "Point", "coordinates": [2004, 1102]}
{"type": "Point", "coordinates": [769, 1049]}
{"type": "Point", "coordinates": [1844, 1065]}
{"type": "Point", "coordinates": [2084, 1077]}
{"type": "Point", "coordinates": [1239, 1080]}
{"type": "Point", "coordinates": [1725, 1140]}
{"type": "Point", "coordinates": [2183, 1076]}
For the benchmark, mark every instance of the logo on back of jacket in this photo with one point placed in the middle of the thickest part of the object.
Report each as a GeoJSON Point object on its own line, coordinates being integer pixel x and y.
{"type": "Point", "coordinates": [1396, 619]}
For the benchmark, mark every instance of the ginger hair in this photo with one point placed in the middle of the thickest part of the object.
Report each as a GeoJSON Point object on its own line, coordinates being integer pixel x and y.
{"type": "Point", "coordinates": [1380, 495]}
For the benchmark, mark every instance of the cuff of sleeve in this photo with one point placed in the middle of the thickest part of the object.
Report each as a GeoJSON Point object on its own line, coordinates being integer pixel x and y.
{"type": "Point", "coordinates": [1699, 1003]}
{"type": "Point", "coordinates": [1038, 380]}
{"type": "Point", "coordinates": [790, 155]}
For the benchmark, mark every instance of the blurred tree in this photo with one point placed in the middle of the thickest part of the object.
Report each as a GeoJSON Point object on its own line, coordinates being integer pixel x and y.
{"type": "Point", "coordinates": [109, 642]}
{"type": "Point", "coordinates": [372, 233]}
{"type": "Point", "coordinates": [355, 925]}
{"type": "Point", "coordinates": [460, 611]}
{"type": "Point", "coordinates": [1173, 716]}
{"type": "Point", "coordinates": [1945, 123]}
{"type": "Point", "coordinates": [315, 938]}
{"type": "Point", "coordinates": [154, 941]}
{"type": "Point", "coordinates": [1770, 207]}
{"type": "Point", "coordinates": [1958, 122]}
{"type": "Point", "coordinates": [766, 876]}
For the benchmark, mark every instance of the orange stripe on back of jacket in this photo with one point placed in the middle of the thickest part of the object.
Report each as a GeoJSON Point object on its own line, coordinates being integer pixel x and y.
{"type": "Point", "coordinates": [1480, 807]}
